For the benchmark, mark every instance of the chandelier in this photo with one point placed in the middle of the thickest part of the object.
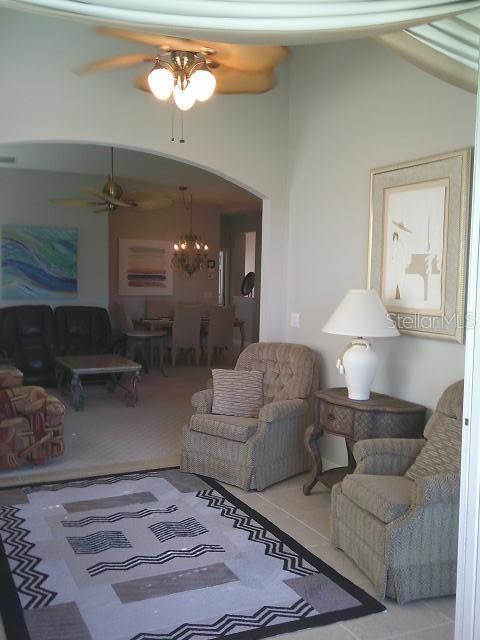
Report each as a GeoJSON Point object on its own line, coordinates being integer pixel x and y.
{"type": "Point", "coordinates": [183, 75]}
{"type": "Point", "coordinates": [190, 251]}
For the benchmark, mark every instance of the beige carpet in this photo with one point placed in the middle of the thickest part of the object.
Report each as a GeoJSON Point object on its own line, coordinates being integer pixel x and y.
{"type": "Point", "coordinates": [107, 436]}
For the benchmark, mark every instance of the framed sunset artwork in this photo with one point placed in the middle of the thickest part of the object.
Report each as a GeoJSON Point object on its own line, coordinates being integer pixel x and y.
{"type": "Point", "coordinates": [145, 267]}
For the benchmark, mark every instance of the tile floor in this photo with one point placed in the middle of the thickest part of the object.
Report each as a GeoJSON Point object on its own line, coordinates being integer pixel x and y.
{"type": "Point", "coordinates": [107, 436]}
{"type": "Point", "coordinates": [307, 519]}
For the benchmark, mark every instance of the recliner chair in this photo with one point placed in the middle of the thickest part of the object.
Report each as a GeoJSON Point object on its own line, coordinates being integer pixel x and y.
{"type": "Point", "coordinates": [27, 337]}
{"type": "Point", "coordinates": [84, 331]}
{"type": "Point", "coordinates": [253, 453]}
{"type": "Point", "coordinates": [396, 516]}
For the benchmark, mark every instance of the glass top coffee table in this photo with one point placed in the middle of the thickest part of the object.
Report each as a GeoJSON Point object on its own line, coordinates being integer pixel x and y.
{"type": "Point", "coordinates": [111, 366]}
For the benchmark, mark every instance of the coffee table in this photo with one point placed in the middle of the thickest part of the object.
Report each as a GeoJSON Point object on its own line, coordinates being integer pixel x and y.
{"type": "Point", "coordinates": [79, 367]}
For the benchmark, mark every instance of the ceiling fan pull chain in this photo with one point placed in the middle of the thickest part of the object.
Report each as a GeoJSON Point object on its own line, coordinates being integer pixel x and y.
{"type": "Point", "coordinates": [172, 122]}
{"type": "Point", "coordinates": [182, 139]}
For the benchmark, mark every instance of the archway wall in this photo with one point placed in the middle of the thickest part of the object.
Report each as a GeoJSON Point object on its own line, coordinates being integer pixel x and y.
{"type": "Point", "coordinates": [241, 138]}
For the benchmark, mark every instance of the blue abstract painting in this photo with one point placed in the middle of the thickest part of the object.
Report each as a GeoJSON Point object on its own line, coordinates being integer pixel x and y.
{"type": "Point", "coordinates": [39, 262]}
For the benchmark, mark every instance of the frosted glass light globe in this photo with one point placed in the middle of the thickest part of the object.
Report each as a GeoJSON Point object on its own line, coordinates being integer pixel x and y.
{"type": "Point", "coordinates": [203, 83]}
{"type": "Point", "coordinates": [184, 99]}
{"type": "Point", "coordinates": [161, 83]}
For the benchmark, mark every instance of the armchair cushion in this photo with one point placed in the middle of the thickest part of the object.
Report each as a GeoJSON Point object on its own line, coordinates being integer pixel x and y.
{"type": "Point", "coordinates": [386, 497]}
{"type": "Point", "coordinates": [237, 393]}
{"type": "Point", "coordinates": [386, 456]}
{"type": "Point", "coordinates": [441, 453]}
{"type": "Point", "coordinates": [290, 369]}
{"type": "Point", "coordinates": [202, 401]}
{"type": "Point", "coordinates": [235, 428]}
{"type": "Point", "coordinates": [442, 488]}
{"type": "Point", "coordinates": [274, 411]}
{"type": "Point", "coordinates": [443, 432]}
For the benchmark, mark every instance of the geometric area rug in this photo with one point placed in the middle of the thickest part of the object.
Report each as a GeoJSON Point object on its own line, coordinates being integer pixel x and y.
{"type": "Point", "coordinates": [157, 555]}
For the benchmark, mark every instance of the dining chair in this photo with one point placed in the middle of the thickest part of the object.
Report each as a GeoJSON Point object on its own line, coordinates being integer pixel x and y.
{"type": "Point", "coordinates": [186, 330]}
{"type": "Point", "coordinates": [220, 331]}
{"type": "Point", "coordinates": [147, 342]}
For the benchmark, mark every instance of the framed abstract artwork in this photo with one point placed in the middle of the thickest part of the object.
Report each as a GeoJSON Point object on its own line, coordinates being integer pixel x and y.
{"type": "Point", "coordinates": [38, 262]}
{"type": "Point", "coordinates": [145, 267]}
{"type": "Point", "coordinates": [418, 243]}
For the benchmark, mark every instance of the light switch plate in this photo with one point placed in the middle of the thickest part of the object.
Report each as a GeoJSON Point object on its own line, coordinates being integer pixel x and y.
{"type": "Point", "coordinates": [295, 320]}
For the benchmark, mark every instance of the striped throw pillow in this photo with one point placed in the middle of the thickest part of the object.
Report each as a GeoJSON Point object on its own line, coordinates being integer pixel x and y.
{"type": "Point", "coordinates": [237, 393]}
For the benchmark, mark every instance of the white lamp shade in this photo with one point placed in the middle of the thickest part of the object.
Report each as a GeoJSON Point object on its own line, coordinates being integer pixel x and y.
{"type": "Point", "coordinates": [361, 313]}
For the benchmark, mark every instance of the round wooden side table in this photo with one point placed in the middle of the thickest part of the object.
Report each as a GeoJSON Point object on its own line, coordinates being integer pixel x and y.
{"type": "Point", "coordinates": [379, 417]}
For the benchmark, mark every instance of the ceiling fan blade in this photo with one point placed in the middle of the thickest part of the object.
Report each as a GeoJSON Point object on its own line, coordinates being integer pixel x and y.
{"type": "Point", "coordinates": [167, 43]}
{"type": "Point", "coordinates": [242, 57]}
{"type": "Point", "coordinates": [98, 193]}
{"type": "Point", "coordinates": [72, 202]}
{"type": "Point", "coordinates": [116, 62]}
{"type": "Point", "coordinates": [118, 203]}
{"type": "Point", "coordinates": [230, 81]}
{"type": "Point", "coordinates": [148, 200]}
{"type": "Point", "coordinates": [101, 195]}
{"type": "Point", "coordinates": [251, 58]}
{"type": "Point", "coordinates": [141, 83]}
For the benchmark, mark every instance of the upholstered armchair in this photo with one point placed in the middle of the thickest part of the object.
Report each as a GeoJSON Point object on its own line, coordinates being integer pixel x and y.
{"type": "Point", "coordinates": [31, 424]}
{"type": "Point", "coordinates": [253, 453]}
{"type": "Point", "coordinates": [396, 516]}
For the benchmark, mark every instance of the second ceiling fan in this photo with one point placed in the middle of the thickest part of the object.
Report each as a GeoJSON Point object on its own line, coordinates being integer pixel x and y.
{"type": "Point", "coordinates": [112, 197]}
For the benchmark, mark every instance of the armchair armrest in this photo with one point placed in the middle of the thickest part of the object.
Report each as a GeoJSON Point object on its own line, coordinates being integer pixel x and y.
{"type": "Point", "coordinates": [274, 411]}
{"type": "Point", "coordinates": [202, 401]}
{"type": "Point", "coordinates": [10, 378]}
{"type": "Point", "coordinates": [23, 401]}
{"type": "Point", "coordinates": [386, 456]}
{"type": "Point", "coordinates": [439, 488]}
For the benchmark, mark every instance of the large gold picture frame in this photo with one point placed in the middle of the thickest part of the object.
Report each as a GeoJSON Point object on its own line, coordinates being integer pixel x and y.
{"type": "Point", "coordinates": [419, 212]}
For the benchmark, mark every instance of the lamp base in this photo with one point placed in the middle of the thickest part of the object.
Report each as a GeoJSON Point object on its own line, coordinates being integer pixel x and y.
{"type": "Point", "coordinates": [359, 363]}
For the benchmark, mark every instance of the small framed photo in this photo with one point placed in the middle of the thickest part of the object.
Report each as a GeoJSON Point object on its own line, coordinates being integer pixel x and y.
{"type": "Point", "coordinates": [210, 264]}
{"type": "Point", "coordinates": [419, 212]}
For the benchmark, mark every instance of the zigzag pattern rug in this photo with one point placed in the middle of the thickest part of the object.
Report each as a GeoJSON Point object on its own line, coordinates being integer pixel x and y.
{"type": "Point", "coordinates": [160, 555]}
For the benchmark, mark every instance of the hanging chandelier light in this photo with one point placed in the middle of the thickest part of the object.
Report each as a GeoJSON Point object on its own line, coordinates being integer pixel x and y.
{"type": "Point", "coordinates": [190, 251]}
{"type": "Point", "coordinates": [184, 75]}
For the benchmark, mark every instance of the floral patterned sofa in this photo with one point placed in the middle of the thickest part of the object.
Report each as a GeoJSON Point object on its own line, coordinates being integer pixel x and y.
{"type": "Point", "coordinates": [31, 423]}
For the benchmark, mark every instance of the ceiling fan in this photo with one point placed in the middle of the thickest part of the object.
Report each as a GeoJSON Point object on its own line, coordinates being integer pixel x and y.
{"type": "Point", "coordinates": [191, 70]}
{"type": "Point", "coordinates": [112, 196]}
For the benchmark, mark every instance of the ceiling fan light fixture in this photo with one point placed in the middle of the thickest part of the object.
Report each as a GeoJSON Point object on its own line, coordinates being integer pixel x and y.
{"type": "Point", "coordinates": [203, 83]}
{"type": "Point", "coordinates": [184, 98]}
{"type": "Point", "coordinates": [161, 82]}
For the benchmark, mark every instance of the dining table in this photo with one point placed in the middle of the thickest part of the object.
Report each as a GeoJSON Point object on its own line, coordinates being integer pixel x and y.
{"type": "Point", "coordinates": [166, 322]}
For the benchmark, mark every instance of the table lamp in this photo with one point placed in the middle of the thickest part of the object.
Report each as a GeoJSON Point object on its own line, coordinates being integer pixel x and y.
{"type": "Point", "coordinates": [361, 313]}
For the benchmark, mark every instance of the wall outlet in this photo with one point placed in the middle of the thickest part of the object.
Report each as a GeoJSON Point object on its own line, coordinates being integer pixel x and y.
{"type": "Point", "coordinates": [295, 320]}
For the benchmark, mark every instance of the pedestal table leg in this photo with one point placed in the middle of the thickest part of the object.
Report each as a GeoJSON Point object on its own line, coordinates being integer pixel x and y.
{"type": "Point", "coordinates": [132, 393]}
{"type": "Point", "coordinates": [312, 444]}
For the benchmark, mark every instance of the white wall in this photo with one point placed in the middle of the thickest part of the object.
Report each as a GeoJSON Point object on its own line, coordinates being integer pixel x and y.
{"type": "Point", "coordinates": [243, 138]}
{"type": "Point", "coordinates": [358, 107]}
{"type": "Point", "coordinates": [24, 200]}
